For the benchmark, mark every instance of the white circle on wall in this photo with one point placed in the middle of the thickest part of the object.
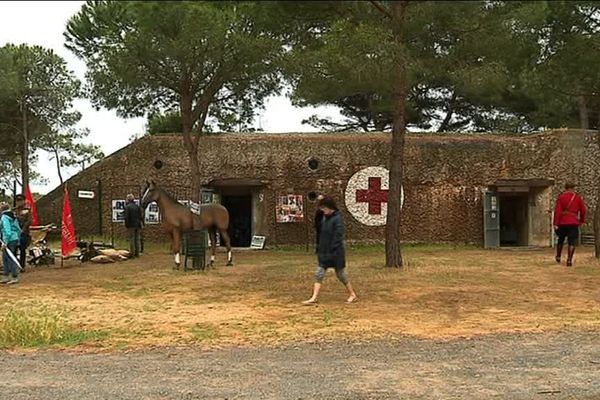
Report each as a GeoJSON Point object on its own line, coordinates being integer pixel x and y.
{"type": "Point", "coordinates": [367, 195]}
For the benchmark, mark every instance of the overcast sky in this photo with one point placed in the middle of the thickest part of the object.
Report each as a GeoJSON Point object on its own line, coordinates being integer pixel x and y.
{"type": "Point", "coordinates": [43, 23]}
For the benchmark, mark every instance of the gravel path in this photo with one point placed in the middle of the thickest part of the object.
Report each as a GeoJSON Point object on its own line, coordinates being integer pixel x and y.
{"type": "Point", "coordinates": [532, 366]}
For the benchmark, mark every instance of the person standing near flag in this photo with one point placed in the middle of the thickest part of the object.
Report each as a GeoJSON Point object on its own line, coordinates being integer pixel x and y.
{"type": "Point", "coordinates": [11, 233]}
{"type": "Point", "coordinates": [24, 215]}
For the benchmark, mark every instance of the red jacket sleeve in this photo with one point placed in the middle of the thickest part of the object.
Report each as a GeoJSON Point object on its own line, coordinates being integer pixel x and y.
{"type": "Point", "coordinates": [582, 211]}
{"type": "Point", "coordinates": [557, 212]}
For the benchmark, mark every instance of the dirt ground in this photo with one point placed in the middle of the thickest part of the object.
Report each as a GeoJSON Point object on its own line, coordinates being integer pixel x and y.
{"type": "Point", "coordinates": [444, 293]}
{"type": "Point", "coordinates": [456, 323]}
{"type": "Point", "coordinates": [505, 366]}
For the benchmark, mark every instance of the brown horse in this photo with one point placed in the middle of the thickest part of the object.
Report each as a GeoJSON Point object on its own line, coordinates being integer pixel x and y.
{"type": "Point", "coordinates": [178, 219]}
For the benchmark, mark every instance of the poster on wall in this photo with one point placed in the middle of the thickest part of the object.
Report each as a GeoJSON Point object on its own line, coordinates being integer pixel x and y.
{"type": "Point", "coordinates": [290, 208]}
{"type": "Point", "coordinates": [152, 214]}
{"type": "Point", "coordinates": [207, 196]}
{"type": "Point", "coordinates": [118, 210]}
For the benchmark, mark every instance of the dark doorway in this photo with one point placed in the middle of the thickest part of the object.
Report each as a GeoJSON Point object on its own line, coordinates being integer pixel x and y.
{"type": "Point", "coordinates": [240, 219]}
{"type": "Point", "coordinates": [514, 219]}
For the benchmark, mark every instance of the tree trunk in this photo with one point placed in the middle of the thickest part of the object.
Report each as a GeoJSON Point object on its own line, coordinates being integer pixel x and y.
{"type": "Point", "coordinates": [393, 250]}
{"type": "Point", "coordinates": [597, 222]}
{"type": "Point", "coordinates": [449, 112]}
{"type": "Point", "coordinates": [190, 144]}
{"type": "Point", "coordinates": [584, 118]}
{"type": "Point", "coordinates": [58, 166]}
{"type": "Point", "coordinates": [24, 151]}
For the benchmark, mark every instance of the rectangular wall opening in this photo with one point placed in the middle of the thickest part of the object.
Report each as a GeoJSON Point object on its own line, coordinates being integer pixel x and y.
{"type": "Point", "coordinates": [514, 219]}
{"type": "Point", "coordinates": [518, 212]}
{"type": "Point", "coordinates": [240, 219]}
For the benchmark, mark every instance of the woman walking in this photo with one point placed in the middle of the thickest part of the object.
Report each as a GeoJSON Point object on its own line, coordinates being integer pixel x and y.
{"type": "Point", "coordinates": [330, 249]}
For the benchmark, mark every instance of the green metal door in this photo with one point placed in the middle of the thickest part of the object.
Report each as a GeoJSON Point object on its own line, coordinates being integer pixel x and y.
{"type": "Point", "coordinates": [491, 220]}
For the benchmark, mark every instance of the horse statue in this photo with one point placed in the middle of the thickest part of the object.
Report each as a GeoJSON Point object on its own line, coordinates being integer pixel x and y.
{"type": "Point", "coordinates": [178, 219]}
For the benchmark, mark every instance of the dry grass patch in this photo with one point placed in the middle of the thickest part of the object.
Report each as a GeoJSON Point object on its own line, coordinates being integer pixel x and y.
{"type": "Point", "coordinates": [32, 324]}
{"type": "Point", "coordinates": [444, 292]}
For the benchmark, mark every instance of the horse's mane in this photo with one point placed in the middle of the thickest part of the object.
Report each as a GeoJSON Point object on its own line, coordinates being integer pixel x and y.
{"type": "Point", "coordinates": [174, 201]}
{"type": "Point", "coordinates": [169, 196]}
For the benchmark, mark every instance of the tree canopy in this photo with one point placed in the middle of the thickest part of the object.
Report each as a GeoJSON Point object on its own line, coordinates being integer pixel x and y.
{"type": "Point", "coordinates": [475, 66]}
{"type": "Point", "coordinates": [36, 104]}
{"type": "Point", "coordinates": [213, 62]}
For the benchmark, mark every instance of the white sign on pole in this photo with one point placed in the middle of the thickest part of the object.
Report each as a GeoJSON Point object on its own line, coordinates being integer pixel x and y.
{"type": "Point", "coordinates": [86, 194]}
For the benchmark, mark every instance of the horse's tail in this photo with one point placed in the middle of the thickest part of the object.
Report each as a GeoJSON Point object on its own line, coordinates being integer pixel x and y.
{"type": "Point", "coordinates": [221, 220]}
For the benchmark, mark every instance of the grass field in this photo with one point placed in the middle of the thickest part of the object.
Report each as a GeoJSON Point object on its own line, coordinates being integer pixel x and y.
{"type": "Point", "coordinates": [444, 292]}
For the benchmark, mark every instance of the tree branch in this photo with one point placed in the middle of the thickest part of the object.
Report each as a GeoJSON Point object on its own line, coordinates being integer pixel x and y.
{"type": "Point", "coordinates": [449, 112]}
{"type": "Point", "coordinates": [383, 9]}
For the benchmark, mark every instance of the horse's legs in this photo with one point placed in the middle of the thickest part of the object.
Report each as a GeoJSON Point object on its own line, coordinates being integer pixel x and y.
{"type": "Point", "coordinates": [225, 237]}
{"type": "Point", "coordinates": [213, 244]}
{"type": "Point", "coordinates": [176, 247]}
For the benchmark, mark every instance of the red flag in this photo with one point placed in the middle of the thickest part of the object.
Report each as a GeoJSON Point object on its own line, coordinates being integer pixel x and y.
{"type": "Point", "coordinates": [68, 240]}
{"type": "Point", "coordinates": [35, 221]}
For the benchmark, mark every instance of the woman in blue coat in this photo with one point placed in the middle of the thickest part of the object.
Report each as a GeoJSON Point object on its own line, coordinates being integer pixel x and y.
{"type": "Point", "coordinates": [10, 231]}
{"type": "Point", "coordinates": [330, 249]}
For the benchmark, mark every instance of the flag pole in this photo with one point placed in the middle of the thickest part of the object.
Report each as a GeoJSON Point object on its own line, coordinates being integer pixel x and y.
{"type": "Point", "coordinates": [62, 258]}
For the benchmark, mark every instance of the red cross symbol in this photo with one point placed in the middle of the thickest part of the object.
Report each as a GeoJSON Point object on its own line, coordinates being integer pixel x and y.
{"type": "Point", "coordinates": [374, 196]}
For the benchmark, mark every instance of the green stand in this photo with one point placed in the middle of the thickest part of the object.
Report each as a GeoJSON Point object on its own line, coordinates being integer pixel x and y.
{"type": "Point", "coordinates": [195, 244]}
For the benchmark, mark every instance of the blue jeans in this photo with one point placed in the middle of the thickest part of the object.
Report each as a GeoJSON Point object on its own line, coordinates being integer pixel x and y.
{"type": "Point", "coordinates": [10, 267]}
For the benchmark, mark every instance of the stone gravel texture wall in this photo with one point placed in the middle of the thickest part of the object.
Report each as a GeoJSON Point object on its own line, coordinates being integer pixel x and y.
{"type": "Point", "coordinates": [444, 179]}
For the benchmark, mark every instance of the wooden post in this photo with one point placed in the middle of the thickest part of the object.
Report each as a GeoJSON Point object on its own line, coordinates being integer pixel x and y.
{"type": "Point", "coordinates": [14, 193]}
{"type": "Point", "coordinates": [99, 194]}
{"type": "Point", "coordinates": [112, 224]}
{"type": "Point", "coordinates": [307, 222]}
{"type": "Point", "coordinates": [143, 221]}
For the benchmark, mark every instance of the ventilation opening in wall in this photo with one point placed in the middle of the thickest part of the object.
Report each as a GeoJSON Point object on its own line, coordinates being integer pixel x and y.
{"type": "Point", "coordinates": [312, 196]}
{"type": "Point", "coordinates": [158, 164]}
{"type": "Point", "coordinates": [313, 164]}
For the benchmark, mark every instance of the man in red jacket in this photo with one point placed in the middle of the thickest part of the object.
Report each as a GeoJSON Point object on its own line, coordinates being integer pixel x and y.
{"type": "Point", "coordinates": [569, 215]}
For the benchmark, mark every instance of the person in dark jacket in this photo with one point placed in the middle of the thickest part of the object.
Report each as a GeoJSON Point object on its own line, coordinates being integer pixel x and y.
{"type": "Point", "coordinates": [23, 214]}
{"type": "Point", "coordinates": [134, 223]}
{"type": "Point", "coordinates": [330, 249]}
{"type": "Point", "coordinates": [569, 214]}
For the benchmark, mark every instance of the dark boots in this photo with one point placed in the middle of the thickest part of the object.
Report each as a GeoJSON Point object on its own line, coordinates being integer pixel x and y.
{"type": "Point", "coordinates": [559, 248]}
{"type": "Point", "coordinates": [571, 252]}
{"type": "Point", "coordinates": [570, 257]}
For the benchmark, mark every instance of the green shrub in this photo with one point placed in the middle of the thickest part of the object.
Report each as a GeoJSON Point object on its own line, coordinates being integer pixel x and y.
{"type": "Point", "coordinates": [39, 326]}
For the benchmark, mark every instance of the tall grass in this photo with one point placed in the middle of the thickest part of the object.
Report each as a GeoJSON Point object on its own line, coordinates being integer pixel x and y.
{"type": "Point", "coordinates": [39, 326]}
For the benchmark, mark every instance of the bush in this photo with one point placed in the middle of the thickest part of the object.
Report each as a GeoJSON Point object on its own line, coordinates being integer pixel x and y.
{"type": "Point", "coordinates": [38, 326]}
